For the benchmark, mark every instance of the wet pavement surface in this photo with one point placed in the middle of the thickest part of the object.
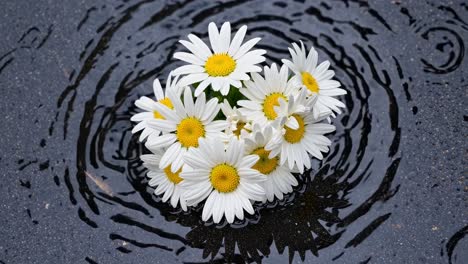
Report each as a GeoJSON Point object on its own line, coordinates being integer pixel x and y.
{"type": "Point", "coordinates": [393, 188]}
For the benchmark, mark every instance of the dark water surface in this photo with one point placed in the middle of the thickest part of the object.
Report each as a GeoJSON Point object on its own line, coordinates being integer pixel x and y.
{"type": "Point", "coordinates": [392, 189]}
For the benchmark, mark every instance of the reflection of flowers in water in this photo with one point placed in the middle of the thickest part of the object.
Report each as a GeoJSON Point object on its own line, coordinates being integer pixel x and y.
{"type": "Point", "coordinates": [295, 222]}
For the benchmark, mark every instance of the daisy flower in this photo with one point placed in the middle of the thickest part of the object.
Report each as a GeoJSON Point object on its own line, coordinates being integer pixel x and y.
{"type": "Point", "coordinates": [226, 64]}
{"type": "Point", "coordinates": [295, 104]}
{"type": "Point", "coordinates": [149, 106]}
{"type": "Point", "coordinates": [239, 125]}
{"type": "Point", "coordinates": [295, 145]}
{"type": "Point", "coordinates": [184, 126]}
{"type": "Point", "coordinates": [225, 176]}
{"type": "Point", "coordinates": [165, 181]}
{"type": "Point", "coordinates": [263, 94]}
{"type": "Point", "coordinates": [316, 79]}
{"type": "Point", "coordinates": [279, 177]}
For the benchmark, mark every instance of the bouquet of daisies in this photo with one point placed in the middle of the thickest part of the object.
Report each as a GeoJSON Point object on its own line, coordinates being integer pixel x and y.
{"type": "Point", "coordinates": [224, 134]}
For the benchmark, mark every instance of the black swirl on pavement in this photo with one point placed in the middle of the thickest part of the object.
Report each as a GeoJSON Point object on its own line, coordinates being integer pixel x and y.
{"type": "Point", "coordinates": [107, 181]}
{"type": "Point", "coordinates": [444, 48]}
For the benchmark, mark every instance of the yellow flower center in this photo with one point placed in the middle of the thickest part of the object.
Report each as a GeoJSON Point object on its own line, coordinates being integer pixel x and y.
{"type": "Point", "coordinates": [165, 101]}
{"type": "Point", "coordinates": [220, 65]}
{"type": "Point", "coordinates": [265, 165]}
{"type": "Point", "coordinates": [173, 177]}
{"type": "Point", "coordinates": [189, 130]}
{"type": "Point", "coordinates": [269, 104]}
{"type": "Point", "coordinates": [224, 178]}
{"type": "Point", "coordinates": [294, 136]}
{"type": "Point", "coordinates": [239, 126]}
{"type": "Point", "coordinates": [309, 81]}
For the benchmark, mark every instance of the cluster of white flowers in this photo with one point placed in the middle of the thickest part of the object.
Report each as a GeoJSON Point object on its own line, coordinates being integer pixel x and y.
{"type": "Point", "coordinates": [223, 134]}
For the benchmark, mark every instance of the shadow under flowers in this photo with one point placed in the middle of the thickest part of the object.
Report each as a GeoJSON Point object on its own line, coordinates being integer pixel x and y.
{"type": "Point", "coordinates": [303, 221]}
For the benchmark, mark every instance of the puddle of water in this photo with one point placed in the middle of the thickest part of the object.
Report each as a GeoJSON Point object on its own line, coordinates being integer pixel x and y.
{"type": "Point", "coordinates": [107, 180]}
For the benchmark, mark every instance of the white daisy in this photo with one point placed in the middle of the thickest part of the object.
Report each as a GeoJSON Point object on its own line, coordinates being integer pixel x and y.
{"type": "Point", "coordinates": [295, 145]}
{"type": "Point", "coordinates": [263, 94]}
{"type": "Point", "coordinates": [184, 126]}
{"type": "Point", "coordinates": [239, 125]}
{"type": "Point", "coordinates": [224, 175]}
{"type": "Point", "coordinates": [317, 79]}
{"type": "Point", "coordinates": [165, 181]}
{"type": "Point", "coordinates": [279, 178]}
{"type": "Point", "coordinates": [148, 105]}
{"type": "Point", "coordinates": [227, 65]}
{"type": "Point", "coordinates": [295, 104]}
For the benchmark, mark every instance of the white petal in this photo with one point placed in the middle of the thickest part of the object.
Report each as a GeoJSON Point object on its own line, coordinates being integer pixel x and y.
{"type": "Point", "coordinates": [250, 58]}
{"type": "Point", "coordinates": [208, 207]}
{"type": "Point", "coordinates": [225, 37]}
{"type": "Point", "coordinates": [229, 207]}
{"type": "Point", "coordinates": [157, 89]}
{"type": "Point", "coordinates": [142, 116]}
{"type": "Point", "coordinates": [292, 123]}
{"type": "Point", "coordinates": [168, 193]}
{"type": "Point", "coordinates": [202, 47]}
{"type": "Point", "coordinates": [234, 151]}
{"type": "Point", "coordinates": [161, 141]}
{"type": "Point", "coordinates": [145, 103]}
{"type": "Point", "coordinates": [188, 102]}
{"type": "Point", "coordinates": [202, 86]}
{"type": "Point", "coordinates": [211, 110]}
{"type": "Point", "coordinates": [192, 78]}
{"type": "Point", "coordinates": [195, 50]}
{"type": "Point", "coordinates": [166, 112]}
{"type": "Point", "coordinates": [249, 104]}
{"type": "Point", "coordinates": [138, 127]}
{"type": "Point", "coordinates": [237, 40]}
{"type": "Point", "coordinates": [217, 125]}
{"type": "Point", "coordinates": [200, 105]}
{"type": "Point", "coordinates": [245, 48]}
{"type": "Point", "coordinates": [196, 160]}
{"type": "Point", "coordinates": [188, 69]}
{"type": "Point", "coordinates": [247, 205]}
{"type": "Point", "coordinates": [214, 37]}
{"type": "Point", "coordinates": [189, 57]}
{"type": "Point", "coordinates": [162, 125]}
{"type": "Point", "coordinates": [248, 161]}
{"type": "Point", "coordinates": [170, 155]}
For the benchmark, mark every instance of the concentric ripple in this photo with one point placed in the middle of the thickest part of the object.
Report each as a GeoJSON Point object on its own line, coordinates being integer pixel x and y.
{"type": "Point", "coordinates": [107, 182]}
